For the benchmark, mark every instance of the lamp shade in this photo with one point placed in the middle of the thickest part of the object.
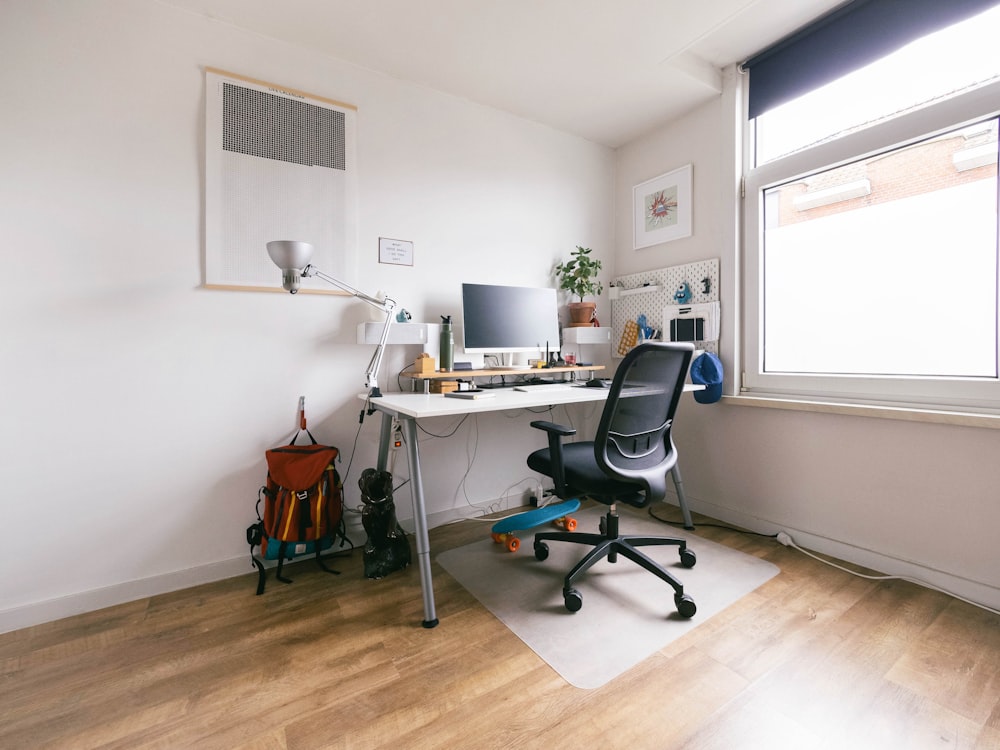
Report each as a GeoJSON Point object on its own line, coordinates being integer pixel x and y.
{"type": "Point", "coordinates": [290, 254]}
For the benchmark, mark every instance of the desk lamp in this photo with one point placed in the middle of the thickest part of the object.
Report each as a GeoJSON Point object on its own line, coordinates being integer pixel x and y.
{"type": "Point", "coordinates": [292, 257]}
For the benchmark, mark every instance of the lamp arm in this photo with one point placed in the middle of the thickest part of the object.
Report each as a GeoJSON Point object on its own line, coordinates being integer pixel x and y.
{"type": "Point", "coordinates": [371, 374]}
{"type": "Point", "coordinates": [387, 305]}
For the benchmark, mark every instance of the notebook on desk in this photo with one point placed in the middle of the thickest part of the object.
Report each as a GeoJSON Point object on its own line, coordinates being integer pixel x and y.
{"type": "Point", "coordinates": [469, 394]}
{"type": "Point", "coordinates": [542, 387]}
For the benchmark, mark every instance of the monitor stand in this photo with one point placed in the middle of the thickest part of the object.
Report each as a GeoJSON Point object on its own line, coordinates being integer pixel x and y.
{"type": "Point", "coordinates": [506, 362]}
{"type": "Point", "coordinates": [507, 365]}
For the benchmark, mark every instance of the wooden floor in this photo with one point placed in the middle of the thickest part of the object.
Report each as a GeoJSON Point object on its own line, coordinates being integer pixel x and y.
{"type": "Point", "coordinates": [815, 658]}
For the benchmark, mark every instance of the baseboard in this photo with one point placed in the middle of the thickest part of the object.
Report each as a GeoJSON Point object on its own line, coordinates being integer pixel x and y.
{"type": "Point", "coordinates": [49, 610]}
{"type": "Point", "coordinates": [439, 518]}
{"type": "Point", "coordinates": [975, 591]}
{"type": "Point", "coordinates": [36, 613]}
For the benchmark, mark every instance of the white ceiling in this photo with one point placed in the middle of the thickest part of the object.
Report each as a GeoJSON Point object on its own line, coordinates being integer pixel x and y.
{"type": "Point", "coordinates": [607, 70]}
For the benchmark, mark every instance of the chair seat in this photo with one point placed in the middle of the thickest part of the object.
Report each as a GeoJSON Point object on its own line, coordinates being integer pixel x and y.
{"type": "Point", "coordinates": [582, 471]}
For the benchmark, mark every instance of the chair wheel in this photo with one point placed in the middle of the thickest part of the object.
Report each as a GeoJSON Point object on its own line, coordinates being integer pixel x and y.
{"type": "Point", "coordinates": [685, 605]}
{"type": "Point", "coordinates": [541, 550]}
{"type": "Point", "coordinates": [603, 526]}
{"type": "Point", "coordinates": [573, 600]}
{"type": "Point", "coordinates": [688, 558]}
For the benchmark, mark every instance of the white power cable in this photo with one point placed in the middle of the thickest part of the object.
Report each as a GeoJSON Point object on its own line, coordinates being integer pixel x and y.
{"type": "Point", "coordinates": [786, 539]}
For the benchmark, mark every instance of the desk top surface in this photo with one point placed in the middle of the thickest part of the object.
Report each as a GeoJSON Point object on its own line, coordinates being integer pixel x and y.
{"type": "Point", "coordinates": [421, 405]}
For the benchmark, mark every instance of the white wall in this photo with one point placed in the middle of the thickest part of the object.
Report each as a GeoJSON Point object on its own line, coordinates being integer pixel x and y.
{"type": "Point", "coordinates": [905, 498]}
{"type": "Point", "coordinates": [137, 406]}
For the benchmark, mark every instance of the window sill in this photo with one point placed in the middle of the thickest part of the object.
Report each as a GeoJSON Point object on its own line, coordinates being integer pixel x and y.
{"type": "Point", "coordinates": [899, 413]}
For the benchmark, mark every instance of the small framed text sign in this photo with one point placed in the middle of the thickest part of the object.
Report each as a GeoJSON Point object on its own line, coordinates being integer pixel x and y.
{"type": "Point", "coordinates": [397, 252]}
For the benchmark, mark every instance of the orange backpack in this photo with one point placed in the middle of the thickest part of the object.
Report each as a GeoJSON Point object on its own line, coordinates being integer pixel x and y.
{"type": "Point", "coordinates": [303, 507]}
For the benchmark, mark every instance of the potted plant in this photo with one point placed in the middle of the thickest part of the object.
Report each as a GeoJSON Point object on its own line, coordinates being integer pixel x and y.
{"type": "Point", "coordinates": [578, 276]}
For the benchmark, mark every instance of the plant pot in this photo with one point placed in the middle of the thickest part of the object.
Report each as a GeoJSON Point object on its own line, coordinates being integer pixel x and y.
{"type": "Point", "coordinates": [581, 313]}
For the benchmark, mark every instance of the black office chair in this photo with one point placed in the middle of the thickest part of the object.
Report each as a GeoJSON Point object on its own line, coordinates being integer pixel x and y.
{"type": "Point", "coordinates": [628, 461]}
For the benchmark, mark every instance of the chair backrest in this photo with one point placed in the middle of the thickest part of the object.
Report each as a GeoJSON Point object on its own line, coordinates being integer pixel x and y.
{"type": "Point", "coordinates": [633, 439]}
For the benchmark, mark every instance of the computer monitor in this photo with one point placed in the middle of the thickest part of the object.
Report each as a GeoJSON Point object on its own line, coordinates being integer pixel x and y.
{"type": "Point", "coordinates": [501, 319]}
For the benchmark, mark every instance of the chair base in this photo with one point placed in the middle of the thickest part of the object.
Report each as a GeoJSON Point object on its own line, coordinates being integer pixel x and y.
{"type": "Point", "coordinates": [609, 544]}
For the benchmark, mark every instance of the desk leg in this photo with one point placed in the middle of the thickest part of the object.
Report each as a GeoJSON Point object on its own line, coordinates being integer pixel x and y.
{"type": "Point", "coordinates": [679, 486]}
{"type": "Point", "coordinates": [420, 520]}
{"type": "Point", "coordinates": [384, 439]}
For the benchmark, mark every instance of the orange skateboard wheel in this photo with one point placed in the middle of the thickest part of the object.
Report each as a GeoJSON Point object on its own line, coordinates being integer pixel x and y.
{"type": "Point", "coordinates": [513, 544]}
{"type": "Point", "coordinates": [566, 523]}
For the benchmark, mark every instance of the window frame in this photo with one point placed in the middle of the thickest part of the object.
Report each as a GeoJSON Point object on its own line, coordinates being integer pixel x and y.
{"type": "Point", "coordinates": [980, 395]}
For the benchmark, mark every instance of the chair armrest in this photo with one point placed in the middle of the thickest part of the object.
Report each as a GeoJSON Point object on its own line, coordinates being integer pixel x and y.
{"type": "Point", "coordinates": [553, 429]}
{"type": "Point", "coordinates": [556, 432]}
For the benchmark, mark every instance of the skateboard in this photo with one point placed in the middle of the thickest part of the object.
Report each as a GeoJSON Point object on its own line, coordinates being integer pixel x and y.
{"type": "Point", "coordinates": [503, 531]}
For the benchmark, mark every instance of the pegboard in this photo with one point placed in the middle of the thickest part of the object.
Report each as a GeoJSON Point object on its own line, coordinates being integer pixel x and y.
{"type": "Point", "coordinates": [631, 304]}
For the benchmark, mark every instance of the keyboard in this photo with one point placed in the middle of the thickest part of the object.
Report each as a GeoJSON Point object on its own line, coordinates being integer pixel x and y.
{"type": "Point", "coordinates": [542, 387]}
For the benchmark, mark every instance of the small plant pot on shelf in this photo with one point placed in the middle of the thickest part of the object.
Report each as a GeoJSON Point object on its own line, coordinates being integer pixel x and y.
{"type": "Point", "coordinates": [581, 313]}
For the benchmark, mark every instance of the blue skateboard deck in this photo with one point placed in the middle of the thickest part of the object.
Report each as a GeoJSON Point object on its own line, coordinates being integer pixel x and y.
{"type": "Point", "coordinates": [503, 530]}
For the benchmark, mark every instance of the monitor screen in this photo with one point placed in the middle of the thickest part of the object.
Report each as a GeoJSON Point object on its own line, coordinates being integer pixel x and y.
{"type": "Point", "coordinates": [509, 319]}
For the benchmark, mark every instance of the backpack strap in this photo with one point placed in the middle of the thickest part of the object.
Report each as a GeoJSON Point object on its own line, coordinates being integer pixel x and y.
{"type": "Point", "coordinates": [320, 560]}
{"type": "Point", "coordinates": [282, 549]}
{"type": "Point", "coordinates": [284, 528]}
{"type": "Point", "coordinates": [299, 432]}
{"type": "Point", "coordinates": [302, 422]}
{"type": "Point", "coordinates": [255, 535]}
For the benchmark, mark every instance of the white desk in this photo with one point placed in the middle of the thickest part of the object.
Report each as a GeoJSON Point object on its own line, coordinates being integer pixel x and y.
{"type": "Point", "coordinates": [409, 407]}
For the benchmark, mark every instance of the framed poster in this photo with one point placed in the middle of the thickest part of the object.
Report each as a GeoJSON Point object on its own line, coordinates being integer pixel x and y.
{"type": "Point", "coordinates": [279, 165]}
{"type": "Point", "coordinates": [662, 208]}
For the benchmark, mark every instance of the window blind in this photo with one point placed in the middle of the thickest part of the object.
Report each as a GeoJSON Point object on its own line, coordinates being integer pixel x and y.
{"type": "Point", "coordinates": [847, 38]}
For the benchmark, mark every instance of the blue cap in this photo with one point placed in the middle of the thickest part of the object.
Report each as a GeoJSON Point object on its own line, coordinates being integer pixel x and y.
{"type": "Point", "coordinates": [707, 370]}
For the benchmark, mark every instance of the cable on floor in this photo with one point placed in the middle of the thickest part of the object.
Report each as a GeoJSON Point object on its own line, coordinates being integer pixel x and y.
{"type": "Point", "coordinates": [786, 540]}
{"type": "Point", "coordinates": [680, 524]}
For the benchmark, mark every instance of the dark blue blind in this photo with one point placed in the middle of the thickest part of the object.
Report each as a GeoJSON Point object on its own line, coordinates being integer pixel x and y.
{"type": "Point", "coordinates": [848, 38]}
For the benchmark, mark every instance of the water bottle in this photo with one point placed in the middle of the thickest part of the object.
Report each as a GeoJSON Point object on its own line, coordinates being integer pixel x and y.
{"type": "Point", "coordinates": [447, 344]}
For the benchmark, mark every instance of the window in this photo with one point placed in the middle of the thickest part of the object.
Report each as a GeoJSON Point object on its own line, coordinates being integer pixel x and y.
{"type": "Point", "coordinates": [871, 231]}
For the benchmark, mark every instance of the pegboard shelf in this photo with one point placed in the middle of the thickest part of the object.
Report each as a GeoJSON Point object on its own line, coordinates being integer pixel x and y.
{"type": "Point", "coordinates": [617, 292]}
{"type": "Point", "coordinates": [586, 335]}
